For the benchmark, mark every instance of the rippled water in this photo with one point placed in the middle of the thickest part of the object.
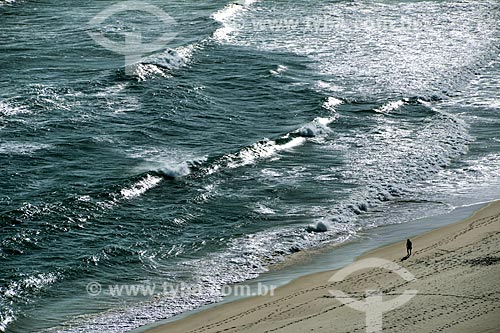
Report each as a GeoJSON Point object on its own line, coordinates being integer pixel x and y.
{"type": "Point", "coordinates": [261, 129]}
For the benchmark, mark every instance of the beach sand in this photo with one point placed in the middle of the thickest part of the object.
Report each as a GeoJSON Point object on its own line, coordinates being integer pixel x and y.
{"type": "Point", "coordinates": [457, 284]}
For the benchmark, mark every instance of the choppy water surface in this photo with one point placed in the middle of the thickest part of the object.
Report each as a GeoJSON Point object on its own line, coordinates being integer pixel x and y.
{"type": "Point", "coordinates": [262, 128]}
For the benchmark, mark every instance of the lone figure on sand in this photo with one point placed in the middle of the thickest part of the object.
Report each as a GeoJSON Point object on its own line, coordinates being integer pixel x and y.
{"type": "Point", "coordinates": [408, 247]}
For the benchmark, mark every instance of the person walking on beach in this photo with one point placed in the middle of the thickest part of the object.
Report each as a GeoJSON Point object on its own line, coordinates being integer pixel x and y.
{"type": "Point", "coordinates": [408, 247]}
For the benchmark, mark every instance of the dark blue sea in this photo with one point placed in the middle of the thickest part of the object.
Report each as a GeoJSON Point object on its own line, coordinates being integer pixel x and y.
{"type": "Point", "coordinates": [198, 143]}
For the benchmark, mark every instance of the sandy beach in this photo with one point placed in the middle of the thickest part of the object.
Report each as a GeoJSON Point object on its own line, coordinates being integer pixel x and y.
{"type": "Point", "coordinates": [454, 287]}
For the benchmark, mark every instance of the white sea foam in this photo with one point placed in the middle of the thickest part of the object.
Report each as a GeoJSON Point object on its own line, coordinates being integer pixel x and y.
{"type": "Point", "coordinates": [263, 209]}
{"type": "Point", "coordinates": [175, 170]}
{"type": "Point", "coordinates": [295, 142]}
{"type": "Point", "coordinates": [226, 16]}
{"type": "Point", "coordinates": [154, 162]}
{"type": "Point", "coordinates": [280, 69]}
{"type": "Point", "coordinates": [400, 162]}
{"type": "Point", "coordinates": [85, 198]}
{"type": "Point", "coordinates": [331, 103]}
{"type": "Point", "coordinates": [371, 51]}
{"type": "Point", "coordinates": [270, 148]}
{"type": "Point", "coordinates": [7, 316]}
{"type": "Point", "coordinates": [260, 150]}
{"type": "Point", "coordinates": [477, 173]}
{"type": "Point", "coordinates": [145, 71]}
{"type": "Point", "coordinates": [10, 110]}
{"type": "Point", "coordinates": [319, 126]}
{"type": "Point", "coordinates": [140, 187]}
{"type": "Point", "coordinates": [161, 64]}
{"type": "Point", "coordinates": [223, 33]}
{"type": "Point", "coordinates": [186, 52]}
{"type": "Point", "coordinates": [325, 120]}
{"type": "Point", "coordinates": [167, 161]}
{"type": "Point", "coordinates": [316, 128]}
{"type": "Point", "coordinates": [25, 290]}
{"type": "Point", "coordinates": [391, 106]}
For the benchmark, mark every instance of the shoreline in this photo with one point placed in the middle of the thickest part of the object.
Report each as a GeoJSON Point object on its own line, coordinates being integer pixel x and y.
{"type": "Point", "coordinates": [243, 313]}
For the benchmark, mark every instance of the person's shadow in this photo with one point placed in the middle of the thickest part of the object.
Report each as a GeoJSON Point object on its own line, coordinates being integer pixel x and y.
{"type": "Point", "coordinates": [405, 257]}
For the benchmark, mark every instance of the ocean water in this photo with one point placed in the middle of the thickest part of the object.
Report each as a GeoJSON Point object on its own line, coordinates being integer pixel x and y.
{"type": "Point", "coordinates": [260, 128]}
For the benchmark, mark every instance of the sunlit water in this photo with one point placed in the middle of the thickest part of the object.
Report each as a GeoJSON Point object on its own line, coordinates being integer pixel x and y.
{"type": "Point", "coordinates": [261, 129]}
